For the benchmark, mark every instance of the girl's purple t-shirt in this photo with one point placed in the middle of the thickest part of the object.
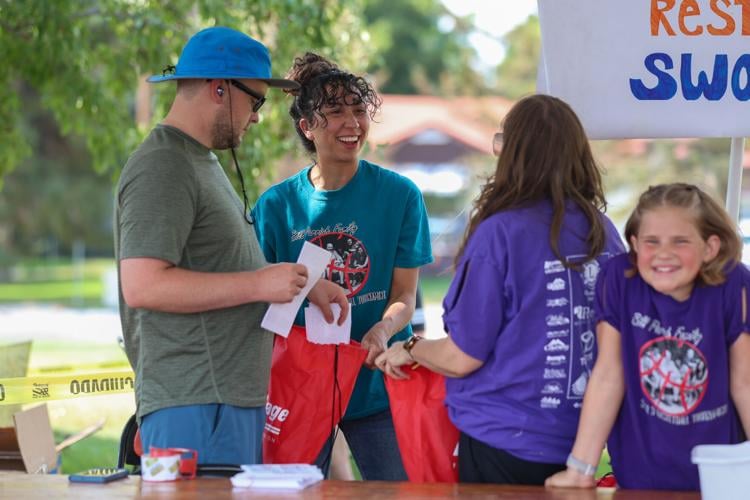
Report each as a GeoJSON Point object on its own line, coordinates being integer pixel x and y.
{"type": "Point", "coordinates": [514, 306]}
{"type": "Point", "coordinates": [676, 362]}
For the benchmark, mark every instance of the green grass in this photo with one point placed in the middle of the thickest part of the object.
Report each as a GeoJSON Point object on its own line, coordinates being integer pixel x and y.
{"type": "Point", "coordinates": [604, 466]}
{"type": "Point", "coordinates": [52, 291]}
{"type": "Point", "coordinates": [434, 288]}
{"type": "Point", "coordinates": [57, 281]}
{"type": "Point", "coordinates": [94, 451]}
{"type": "Point", "coordinates": [70, 416]}
{"type": "Point", "coordinates": [53, 356]}
{"type": "Point", "coordinates": [34, 270]}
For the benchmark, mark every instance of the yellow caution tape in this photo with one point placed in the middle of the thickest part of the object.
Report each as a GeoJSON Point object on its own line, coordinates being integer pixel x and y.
{"type": "Point", "coordinates": [49, 388]}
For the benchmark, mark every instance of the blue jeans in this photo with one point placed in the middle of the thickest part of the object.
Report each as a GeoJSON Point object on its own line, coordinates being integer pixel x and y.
{"type": "Point", "coordinates": [372, 441]}
{"type": "Point", "coordinates": [222, 434]}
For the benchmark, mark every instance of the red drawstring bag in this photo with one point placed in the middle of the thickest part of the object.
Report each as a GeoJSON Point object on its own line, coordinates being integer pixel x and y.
{"type": "Point", "coordinates": [310, 388]}
{"type": "Point", "coordinates": [426, 437]}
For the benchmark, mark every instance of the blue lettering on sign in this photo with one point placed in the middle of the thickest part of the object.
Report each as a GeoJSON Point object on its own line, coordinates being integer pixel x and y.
{"type": "Point", "coordinates": [712, 91]}
{"type": "Point", "coordinates": [659, 64]}
{"type": "Point", "coordinates": [666, 87]}
{"type": "Point", "coordinates": [742, 65]}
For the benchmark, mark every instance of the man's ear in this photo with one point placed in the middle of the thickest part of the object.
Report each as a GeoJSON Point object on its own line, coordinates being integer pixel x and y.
{"type": "Point", "coordinates": [216, 90]}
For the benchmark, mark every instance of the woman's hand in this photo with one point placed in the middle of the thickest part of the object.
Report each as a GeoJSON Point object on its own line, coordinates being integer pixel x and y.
{"type": "Point", "coordinates": [391, 361]}
{"type": "Point", "coordinates": [375, 342]}
{"type": "Point", "coordinates": [325, 293]}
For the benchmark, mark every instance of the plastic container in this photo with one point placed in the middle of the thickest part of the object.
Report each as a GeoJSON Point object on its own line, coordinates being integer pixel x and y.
{"type": "Point", "coordinates": [724, 470]}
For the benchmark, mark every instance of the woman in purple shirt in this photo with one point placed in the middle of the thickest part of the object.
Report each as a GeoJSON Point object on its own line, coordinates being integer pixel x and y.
{"type": "Point", "coordinates": [673, 368]}
{"type": "Point", "coordinates": [519, 312]}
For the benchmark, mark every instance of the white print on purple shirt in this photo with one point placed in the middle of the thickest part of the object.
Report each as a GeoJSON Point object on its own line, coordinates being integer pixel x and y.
{"type": "Point", "coordinates": [589, 274]}
{"type": "Point", "coordinates": [553, 334]}
{"type": "Point", "coordinates": [554, 373]}
{"type": "Point", "coordinates": [552, 388]}
{"type": "Point", "coordinates": [557, 320]}
{"type": "Point", "coordinates": [649, 410]}
{"type": "Point", "coordinates": [583, 313]}
{"type": "Point", "coordinates": [555, 359]}
{"type": "Point", "coordinates": [571, 341]}
{"type": "Point", "coordinates": [674, 375]}
{"type": "Point", "coordinates": [556, 285]}
{"type": "Point", "coordinates": [553, 266]}
{"type": "Point", "coordinates": [708, 415]}
{"type": "Point", "coordinates": [556, 345]}
{"type": "Point", "coordinates": [654, 326]}
{"type": "Point", "coordinates": [549, 402]}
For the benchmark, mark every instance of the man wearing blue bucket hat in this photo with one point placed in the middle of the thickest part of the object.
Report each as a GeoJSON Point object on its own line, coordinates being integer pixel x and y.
{"type": "Point", "coordinates": [194, 284]}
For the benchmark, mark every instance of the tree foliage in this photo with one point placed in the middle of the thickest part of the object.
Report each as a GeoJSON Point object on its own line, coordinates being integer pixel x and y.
{"type": "Point", "coordinates": [413, 55]}
{"type": "Point", "coordinates": [516, 75]}
{"type": "Point", "coordinates": [85, 59]}
{"type": "Point", "coordinates": [78, 63]}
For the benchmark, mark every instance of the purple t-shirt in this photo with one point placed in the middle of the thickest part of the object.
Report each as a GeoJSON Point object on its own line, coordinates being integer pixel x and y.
{"type": "Point", "coordinates": [676, 361]}
{"type": "Point", "coordinates": [514, 306]}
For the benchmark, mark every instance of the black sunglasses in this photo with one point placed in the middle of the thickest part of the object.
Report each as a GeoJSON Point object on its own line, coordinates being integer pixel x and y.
{"type": "Point", "coordinates": [259, 99]}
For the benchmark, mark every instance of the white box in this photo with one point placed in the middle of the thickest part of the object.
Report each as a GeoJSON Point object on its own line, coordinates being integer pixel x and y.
{"type": "Point", "coordinates": [724, 470]}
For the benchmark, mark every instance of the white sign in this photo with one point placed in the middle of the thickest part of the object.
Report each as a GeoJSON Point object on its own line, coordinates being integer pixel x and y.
{"type": "Point", "coordinates": [649, 68]}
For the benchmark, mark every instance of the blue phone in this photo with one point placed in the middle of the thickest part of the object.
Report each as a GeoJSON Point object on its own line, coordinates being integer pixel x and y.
{"type": "Point", "coordinates": [98, 475]}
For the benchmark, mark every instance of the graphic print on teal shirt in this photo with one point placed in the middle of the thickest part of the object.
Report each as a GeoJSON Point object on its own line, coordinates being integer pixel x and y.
{"type": "Point", "coordinates": [374, 223]}
{"type": "Point", "coordinates": [350, 265]}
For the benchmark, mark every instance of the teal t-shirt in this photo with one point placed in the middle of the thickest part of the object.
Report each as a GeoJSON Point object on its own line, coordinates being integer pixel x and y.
{"type": "Point", "coordinates": [376, 222]}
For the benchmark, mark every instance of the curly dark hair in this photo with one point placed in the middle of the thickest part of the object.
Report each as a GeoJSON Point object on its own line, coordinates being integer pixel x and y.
{"type": "Point", "coordinates": [323, 83]}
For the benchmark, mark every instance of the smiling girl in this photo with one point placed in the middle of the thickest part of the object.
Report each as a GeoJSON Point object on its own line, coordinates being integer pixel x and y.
{"type": "Point", "coordinates": [374, 223]}
{"type": "Point", "coordinates": [673, 368]}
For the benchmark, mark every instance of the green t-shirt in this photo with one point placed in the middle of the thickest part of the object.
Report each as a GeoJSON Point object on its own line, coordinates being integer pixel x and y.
{"type": "Point", "coordinates": [175, 203]}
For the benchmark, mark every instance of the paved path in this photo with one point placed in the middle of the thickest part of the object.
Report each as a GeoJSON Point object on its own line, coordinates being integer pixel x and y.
{"type": "Point", "coordinates": [37, 322]}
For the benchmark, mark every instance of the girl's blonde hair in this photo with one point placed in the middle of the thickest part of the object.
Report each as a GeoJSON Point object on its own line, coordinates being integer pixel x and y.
{"type": "Point", "coordinates": [709, 217]}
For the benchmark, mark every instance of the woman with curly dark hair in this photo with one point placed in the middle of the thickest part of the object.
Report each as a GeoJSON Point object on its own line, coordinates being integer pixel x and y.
{"type": "Point", "coordinates": [374, 223]}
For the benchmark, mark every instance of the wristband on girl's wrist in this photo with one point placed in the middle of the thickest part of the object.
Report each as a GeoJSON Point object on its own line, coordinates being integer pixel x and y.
{"type": "Point", "coordinates": [580, 466]}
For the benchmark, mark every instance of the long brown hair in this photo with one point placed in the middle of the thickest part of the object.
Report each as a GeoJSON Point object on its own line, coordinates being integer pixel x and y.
{"type": "Point", "coordinates": [545, 155]}
{"type": "Point", "coordinates": [709, 218]}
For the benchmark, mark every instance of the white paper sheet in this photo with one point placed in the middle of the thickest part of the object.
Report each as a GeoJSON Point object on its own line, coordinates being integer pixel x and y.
{"type": "Point", "coordinates": [320, 332]}
{"type": "Point", "coordinates": [279, 317]}
{"type": "Point", "coordinates": [278, 476]}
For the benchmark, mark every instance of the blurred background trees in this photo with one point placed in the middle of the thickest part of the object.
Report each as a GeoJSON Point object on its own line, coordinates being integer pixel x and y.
{"type": "Point", "coordinates": [74, 70]}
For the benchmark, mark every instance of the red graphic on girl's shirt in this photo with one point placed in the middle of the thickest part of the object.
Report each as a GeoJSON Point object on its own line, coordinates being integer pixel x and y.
{"type": "Point", "coordinates": [674, 375]}
{"type": "Point", "coordinates": [350, 264]}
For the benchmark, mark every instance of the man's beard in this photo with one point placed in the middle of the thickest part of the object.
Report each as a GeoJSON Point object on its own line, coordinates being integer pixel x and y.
{"type": "Point", "coordinates": [222, 135]}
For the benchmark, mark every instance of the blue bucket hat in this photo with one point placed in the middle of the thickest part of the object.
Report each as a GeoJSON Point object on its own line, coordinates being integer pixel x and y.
{"type": "Point", "coordinates": [224, 53]}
